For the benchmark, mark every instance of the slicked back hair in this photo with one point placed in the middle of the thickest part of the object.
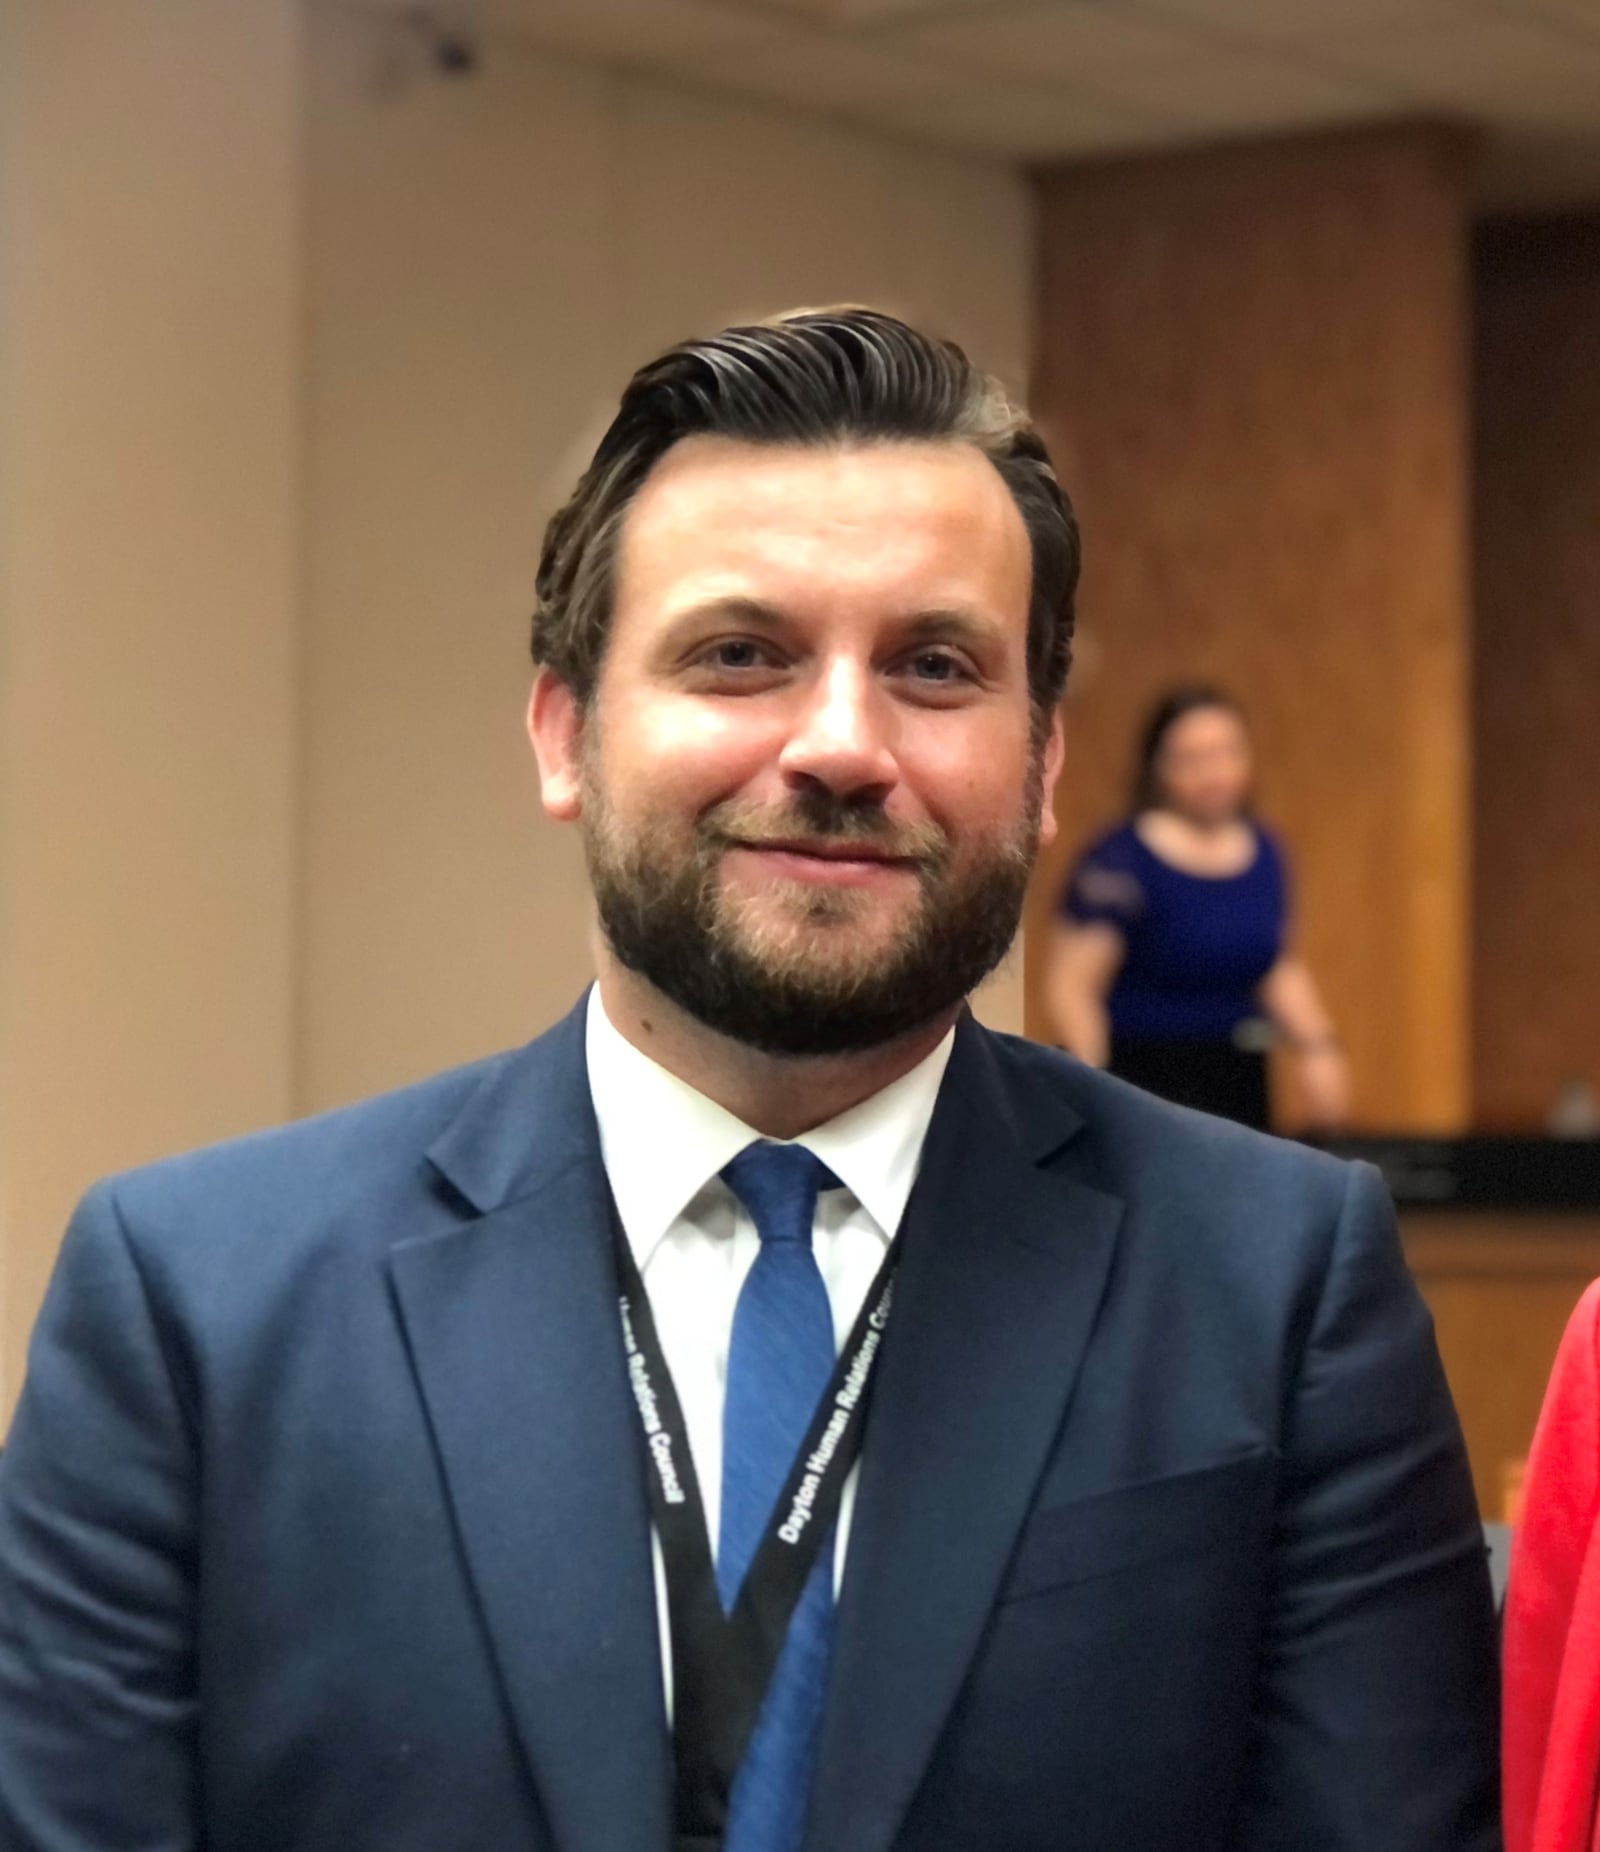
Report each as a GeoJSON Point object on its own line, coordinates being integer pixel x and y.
{"type": "Point", "coordinates": [813, 377]}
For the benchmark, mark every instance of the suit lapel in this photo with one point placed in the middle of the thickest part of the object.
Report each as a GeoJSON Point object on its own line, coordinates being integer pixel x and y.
{"type": "Point", "coordinates": [513, 1331]}
{"type": "Point", "coordinates": [1001, 1277]}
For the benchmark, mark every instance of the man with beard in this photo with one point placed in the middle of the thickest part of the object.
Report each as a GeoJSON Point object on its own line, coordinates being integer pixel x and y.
{"type": "Point", "coordinates": [768, 1411]}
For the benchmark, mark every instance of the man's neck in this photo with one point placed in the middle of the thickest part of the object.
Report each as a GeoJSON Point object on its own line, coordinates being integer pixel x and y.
{"type": "Point", "coordinates": [781, 1096]}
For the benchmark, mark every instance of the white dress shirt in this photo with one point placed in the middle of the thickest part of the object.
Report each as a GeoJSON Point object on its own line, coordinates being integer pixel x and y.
{"type": "Point", "coordinates": [693, 1242]}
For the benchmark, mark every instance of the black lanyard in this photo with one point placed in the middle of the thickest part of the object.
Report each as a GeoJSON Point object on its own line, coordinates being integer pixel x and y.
{"type": "Point", "coordinates": [721, 1664]}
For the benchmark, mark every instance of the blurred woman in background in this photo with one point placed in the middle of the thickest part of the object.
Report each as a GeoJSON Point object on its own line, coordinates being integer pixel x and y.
{"type": "Point", "coordinates": [1169, 963]}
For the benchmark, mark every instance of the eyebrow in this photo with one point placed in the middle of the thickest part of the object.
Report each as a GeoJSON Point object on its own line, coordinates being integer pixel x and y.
{"type": "Point", "coordinates": [736, 609]}
{"type": "Point", "coordinates": [937, 624]}
{"type": "Point", "coordinates": [952, 625]}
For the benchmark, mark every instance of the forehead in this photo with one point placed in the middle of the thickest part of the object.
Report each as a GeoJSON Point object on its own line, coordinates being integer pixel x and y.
{"type": "Point", "coordinates": [926, 522]}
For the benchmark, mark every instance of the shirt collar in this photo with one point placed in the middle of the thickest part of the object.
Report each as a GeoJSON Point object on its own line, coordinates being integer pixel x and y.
{"type": "Point", "coordinates": [663, 1142]}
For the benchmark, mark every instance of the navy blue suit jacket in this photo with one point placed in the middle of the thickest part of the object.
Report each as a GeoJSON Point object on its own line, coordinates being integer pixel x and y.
{"type": "Point", "coordinates": [322, 1524]}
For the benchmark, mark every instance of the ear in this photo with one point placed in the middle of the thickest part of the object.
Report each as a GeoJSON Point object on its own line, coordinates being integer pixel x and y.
{"type": "Point", "coordinates": [555, 728]}
{"type": "Point", "coordinates": [1054, 751]}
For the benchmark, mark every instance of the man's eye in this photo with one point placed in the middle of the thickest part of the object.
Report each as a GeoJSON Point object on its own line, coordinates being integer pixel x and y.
{"type": "Point", "coordinates": [737, 653]}
{"type": "Point", "coordinates": [934, 665]}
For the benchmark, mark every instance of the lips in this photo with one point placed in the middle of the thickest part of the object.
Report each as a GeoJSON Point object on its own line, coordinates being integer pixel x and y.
{"type": "Point", "coordinates": [830, 850]}
{"type": "Point", "coordinates": [829, 863]}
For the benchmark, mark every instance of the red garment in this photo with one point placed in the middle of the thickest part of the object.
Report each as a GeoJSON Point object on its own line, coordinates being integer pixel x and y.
{"type": "Point", "coordinates": [1552, 1633]}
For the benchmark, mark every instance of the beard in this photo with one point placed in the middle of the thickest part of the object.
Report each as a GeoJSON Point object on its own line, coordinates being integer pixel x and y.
{"type": "Point", "coordinates": [789, 971]}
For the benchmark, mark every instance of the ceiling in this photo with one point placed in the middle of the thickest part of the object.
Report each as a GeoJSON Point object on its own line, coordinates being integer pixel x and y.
{"type": "Point", "coordinates": [1050, 80]}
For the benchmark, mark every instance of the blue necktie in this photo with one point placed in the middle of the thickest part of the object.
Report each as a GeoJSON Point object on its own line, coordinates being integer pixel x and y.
{"type": "Point", "coordinates": [779, 1361]}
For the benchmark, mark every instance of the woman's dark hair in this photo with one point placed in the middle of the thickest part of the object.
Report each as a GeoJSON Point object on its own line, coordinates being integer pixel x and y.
{"type": "Point", "coordinates": [817, 376]}
{"type": "Point", "coordinates": [1175, 705]}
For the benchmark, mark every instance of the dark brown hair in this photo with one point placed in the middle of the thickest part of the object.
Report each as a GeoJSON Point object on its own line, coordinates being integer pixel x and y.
{"type": "Point", "coordinates": [817, 376]}
{"type": "Point", "coordinates": [1175, 705]}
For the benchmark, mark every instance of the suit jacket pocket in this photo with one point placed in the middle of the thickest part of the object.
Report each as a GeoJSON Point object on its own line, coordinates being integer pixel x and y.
{"type": "Point", "coordinates": [1139, 1525]}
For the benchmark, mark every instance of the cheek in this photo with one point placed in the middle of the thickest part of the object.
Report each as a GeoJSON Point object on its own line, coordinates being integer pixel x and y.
{"type": "Point", "coordinates": [969, 780]}
{"type": "Point", "coordinates": [670, 755]}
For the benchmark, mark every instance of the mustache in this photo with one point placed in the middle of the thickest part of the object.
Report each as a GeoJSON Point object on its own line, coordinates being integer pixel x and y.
{"type": "Point", "coordinates": [824, 821]}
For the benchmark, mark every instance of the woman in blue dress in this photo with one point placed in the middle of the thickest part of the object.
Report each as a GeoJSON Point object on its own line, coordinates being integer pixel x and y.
{"type": "Point", "coordinates": [1170, 963]}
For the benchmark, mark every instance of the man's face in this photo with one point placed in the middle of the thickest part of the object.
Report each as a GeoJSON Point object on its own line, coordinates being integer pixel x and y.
{"type": "Point", "coordinates": [808, 781]}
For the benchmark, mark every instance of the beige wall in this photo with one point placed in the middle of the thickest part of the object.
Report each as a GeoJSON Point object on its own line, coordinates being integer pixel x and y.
{"type": "Point", "coordinates": [300, 344]}
{"type": "Point", "coordinates": [148, 573]}
{"type": "Point", "coordinates": [488, 261]}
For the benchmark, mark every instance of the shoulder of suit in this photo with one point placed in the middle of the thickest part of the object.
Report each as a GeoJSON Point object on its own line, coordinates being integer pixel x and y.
{"type": "Point", "coordinates": [359, 1152]}
{"type": "Point", "coordinates": [1136, 1137]}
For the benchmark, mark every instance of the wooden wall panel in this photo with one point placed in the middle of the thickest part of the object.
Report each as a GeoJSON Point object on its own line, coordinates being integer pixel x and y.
{"type": "Point", "coordinates": [1537, 569]}
{"type": "Point", "coordinates": [1251, 367]}
{"type": "Point", "coordinates": [1501, 1289]}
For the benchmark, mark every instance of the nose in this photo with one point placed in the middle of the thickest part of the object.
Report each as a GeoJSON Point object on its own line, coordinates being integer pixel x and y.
{"type": "Point", "coordinates": [841, 738]}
